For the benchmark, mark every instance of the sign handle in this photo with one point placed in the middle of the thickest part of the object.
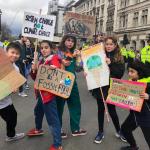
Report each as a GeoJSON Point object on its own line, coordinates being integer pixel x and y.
{"type": "Point", "coordinates": [105, 105]}
{"type": "Point", "coordinates": [36, 46]}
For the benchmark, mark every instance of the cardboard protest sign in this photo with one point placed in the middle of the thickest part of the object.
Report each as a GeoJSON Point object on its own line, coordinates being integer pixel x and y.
{"type": "Point", "coordinates": [125, 94]}
{"type": "Point", "coordinates": [82, 26]}
{"type": "Point", "coordinates": [56, 81]}
{"type": "Point", "coordinates": [95, 66]}
{"type": "Point", "coordinates": [38, 26]}
{"type": "Point", "coordinates": [10, 79]}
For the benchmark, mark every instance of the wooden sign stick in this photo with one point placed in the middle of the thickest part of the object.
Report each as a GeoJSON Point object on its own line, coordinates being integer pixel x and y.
{"type": "Point", "coordinates": [105, 105]}
{"type": "Point", "coordinates": [36, 46]}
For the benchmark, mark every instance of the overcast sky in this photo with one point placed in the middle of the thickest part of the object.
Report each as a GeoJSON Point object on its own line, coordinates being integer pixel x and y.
{"type": "Point", "coordinates": [12, 11]}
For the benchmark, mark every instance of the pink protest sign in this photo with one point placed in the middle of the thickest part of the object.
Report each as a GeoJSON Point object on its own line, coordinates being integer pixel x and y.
{"type": "Point", "coordinates": [125, 94]}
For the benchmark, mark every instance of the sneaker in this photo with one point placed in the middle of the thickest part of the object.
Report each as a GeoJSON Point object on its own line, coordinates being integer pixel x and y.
{"type": "Point", "coordinates": [54, 148]}
{"type": "Point", "coordinates": [35, 132]}
{"type": "Point", "coordinates": [23, 94]}
{"type": "Point", "coordinates": [129, 148]}
{"type": "Point", "coordinates": [16, 137]}
{"type": "Point", "coordinates": [63, 135]}
{"type": "Point", "coordinates": [27, 87]}
{"type": "Point", "coordinates": [99, 137]}
{"type": "Point", "coordinates": [80, 132]}
{"type": "Point", "coordinates": [121, 136]}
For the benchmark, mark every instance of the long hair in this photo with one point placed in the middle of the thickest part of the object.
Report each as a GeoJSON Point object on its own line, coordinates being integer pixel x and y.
{"type": "Point", "coordinates": [118, 57]}
{"type": "Point", "coordinates": [62, 46]}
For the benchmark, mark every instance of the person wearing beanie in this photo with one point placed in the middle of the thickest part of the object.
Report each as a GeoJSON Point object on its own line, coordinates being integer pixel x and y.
{"type": "Point", "coordinates": [140, 73]}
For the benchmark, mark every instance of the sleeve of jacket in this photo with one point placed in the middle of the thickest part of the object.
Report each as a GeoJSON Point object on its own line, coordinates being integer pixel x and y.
{"type": "Point", "coordinates": [56, 61]}
{"type": "Point", "coordinates": [117, 70]}
{"type": "Point", "coordinates": [33, 75]}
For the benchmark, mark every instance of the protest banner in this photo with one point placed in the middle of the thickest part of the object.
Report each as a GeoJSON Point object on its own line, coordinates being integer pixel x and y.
{"type": "Point", "coordinates": [95, 66]}
{"type": "Point", "coordinates": [125, 94]}
{"type": "Point", "coordinates": [56, 81]}
{"type": "Point", "coordinates": [82, 26]}
{"type": "Point", "coordinates": [38, 26]}
{"type": "Point", "coordinates": [10, 79]}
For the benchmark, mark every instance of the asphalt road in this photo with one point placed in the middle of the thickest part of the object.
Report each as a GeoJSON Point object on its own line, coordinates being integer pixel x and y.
{"type": "Point", "coordinates": [25, 108]}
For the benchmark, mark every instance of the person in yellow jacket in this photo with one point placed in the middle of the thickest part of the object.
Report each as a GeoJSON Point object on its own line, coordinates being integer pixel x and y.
{"type": "Point", "coordinates": [145, 53]}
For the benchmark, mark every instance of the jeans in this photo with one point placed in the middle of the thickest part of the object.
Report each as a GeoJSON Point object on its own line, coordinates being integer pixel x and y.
{"type": "Point", "coordinates": [22, 71]}
{"type": "Point", "coordinates": [50, 111]}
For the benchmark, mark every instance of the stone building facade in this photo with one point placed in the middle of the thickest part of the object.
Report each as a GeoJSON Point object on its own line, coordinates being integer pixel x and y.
{"type": "Point", "coordinates": [133, 19]}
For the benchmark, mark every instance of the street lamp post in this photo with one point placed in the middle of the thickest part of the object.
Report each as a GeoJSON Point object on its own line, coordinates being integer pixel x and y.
{"type": "Point", "coordinates": [97, 13]}
{"type": "Point", "coordinates": [0, 24]}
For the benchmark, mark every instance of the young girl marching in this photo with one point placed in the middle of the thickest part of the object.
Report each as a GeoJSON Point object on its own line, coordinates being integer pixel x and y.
{"type": "Point", "coordinates": [138, 72]}
{"type": "Point", "coordinates": [46, 102]}
{"type": "Point", "coordinates": [68, 54]}
{"type": "Point", "coordinates": [116, 65]}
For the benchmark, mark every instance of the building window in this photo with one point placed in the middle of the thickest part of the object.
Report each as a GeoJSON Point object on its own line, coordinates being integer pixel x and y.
{"type": "Point", "coordinates": [123, 21]}
{"type": "Point", "coordinates": [137, 1]}
{"type": "Point", "coordinates": [124, 3]}
{"type": "Point", "coordinates": [101, 26]}
{"type": "Point", "coordinates": [102, 11]}
{"type": "Point", "coordinates": [136, 19]}
{"type": "Point", "coordinates": [144, 16]}
{"type": "Point", "coordinates": [110, 2]}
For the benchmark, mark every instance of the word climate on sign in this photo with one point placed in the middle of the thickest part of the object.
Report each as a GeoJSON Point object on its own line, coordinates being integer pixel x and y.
{"type": "Point", "coordinates": [56, 81]}
{"type": "Point", "coordinates": [126, 94]}
{"type": "Point", "coordinates": [38, 26]}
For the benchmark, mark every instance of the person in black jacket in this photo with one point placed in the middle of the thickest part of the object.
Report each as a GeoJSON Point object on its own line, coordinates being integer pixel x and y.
{"type": "Point", "coordinates": [21, 62]}
{"type": "Point", "coordinates": [138, 71]}
{"type": "Point", "coordinates": [116, 65]}
{"type": "Point", "coordinates": [28, 62]}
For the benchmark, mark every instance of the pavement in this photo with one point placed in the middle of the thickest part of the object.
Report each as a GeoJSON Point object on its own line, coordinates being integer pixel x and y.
{"type": "Point", "coordinates": [25, 107]}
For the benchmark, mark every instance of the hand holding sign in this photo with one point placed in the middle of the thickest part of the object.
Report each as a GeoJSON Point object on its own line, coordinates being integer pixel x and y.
{"type": "Point", "coordinates": [10, 79]}
{"type": "Point", "coordinates": [56, 81]}
{"type": "Point", "coordinates": [127, 94]}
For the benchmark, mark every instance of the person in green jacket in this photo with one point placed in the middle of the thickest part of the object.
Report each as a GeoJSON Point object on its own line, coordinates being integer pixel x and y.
{"type": "Point", "coordinates": [68, 55]}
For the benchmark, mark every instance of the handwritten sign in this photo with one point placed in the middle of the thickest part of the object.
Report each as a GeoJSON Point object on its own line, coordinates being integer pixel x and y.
{"type": "Point", "coordinates": [56, 81]}
{"type": "Point", "coordinates": [82, 26]}
{"type": "Point", "coordinates": [95, 66]}
{"type": "Point", "coordinates": [125, 94]}
{"type": "Point", "coordinates": [38, 26]}
{"type": "Point", "coordinates": [10, 79]}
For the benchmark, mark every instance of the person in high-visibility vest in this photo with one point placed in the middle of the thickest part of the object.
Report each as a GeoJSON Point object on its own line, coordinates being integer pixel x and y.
{"type": "Point", "coordinates": [124, 53]}
{"type": "Point", "coordinates": [138, 72]}
{"type": "Point", "coordinates": [131, 55]}
{"type": "Point", "coordinates": [145, 53]}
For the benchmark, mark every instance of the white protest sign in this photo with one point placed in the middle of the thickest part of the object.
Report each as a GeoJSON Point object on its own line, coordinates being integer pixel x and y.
{"type": "Point", "coordinates": [39, 26]}
{"type": "Point", "coordinates": [95, 66]}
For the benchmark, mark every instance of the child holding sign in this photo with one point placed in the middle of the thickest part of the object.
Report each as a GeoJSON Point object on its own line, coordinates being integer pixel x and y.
{"type": "Point", "coordinates": [46, 103]}
{"type": "Point", "coordinates": [116, 65]}
{"type": "Point", "coordinates": [68, 54]}
{"type": "Point", "coordinates": [138, 71]}
{"type": "Point", "coordinates": [7, 110]}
